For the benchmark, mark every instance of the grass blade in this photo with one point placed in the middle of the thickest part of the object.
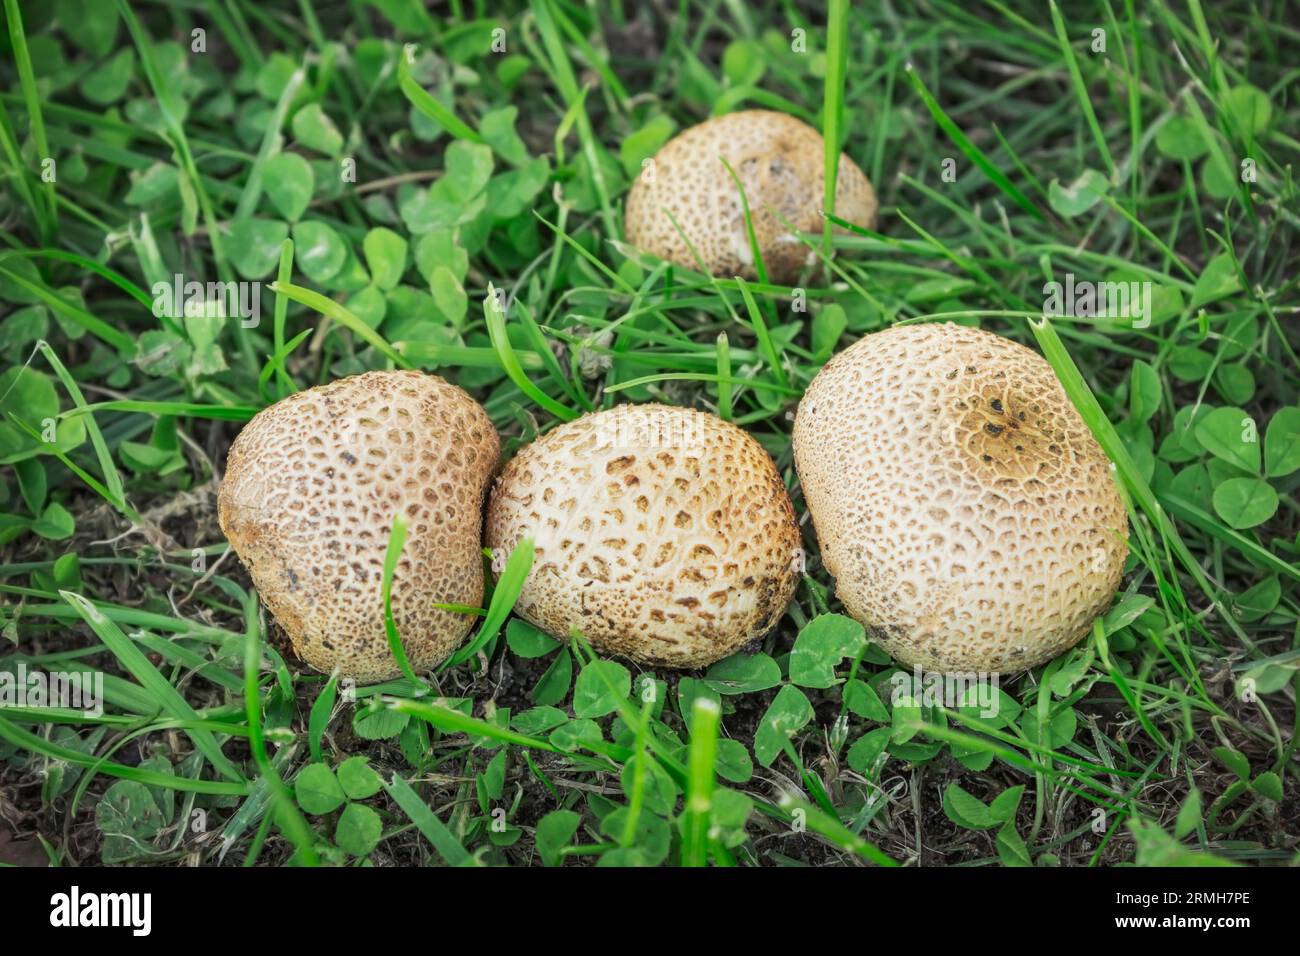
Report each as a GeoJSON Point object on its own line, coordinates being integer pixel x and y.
{"type": "Point", "coordinates": [47, 221]}
{"type": "Point", "coordinates": [30, 742]}
{"type": "Point", "coordinates": [164, 694]}
{"type": "Point", "coordinates": [428, 105]}
{"type": "Point", "coordinates": [700, 761]}
{"type": "Point", "coordinates": [837, 17]}
{"type": "Point", "coordinates": [496, 325]}
{"type": "Point", "coordinates": [972, 152]}
{"type": "Point", "coordinates": [343, 316]}
{"type": "Point", "coordinates": [396, 539]}
{"type": "Point", "coordinates": [426, 821]}
{"type": "Point", "coordinates": [1080, 90]}
{"type": "Point", "coordinates": [112, 480]}
{"type": "Point", "coordinates": [503, 600]}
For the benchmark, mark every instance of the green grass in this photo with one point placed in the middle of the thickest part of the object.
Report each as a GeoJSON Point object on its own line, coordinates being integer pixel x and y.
{"type": "Point", "coordinates": [384, 201]}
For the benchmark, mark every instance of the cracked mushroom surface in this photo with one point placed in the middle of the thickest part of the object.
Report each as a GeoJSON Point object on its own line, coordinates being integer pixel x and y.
{"type": "Point", "coordinates": [662, 534]}
{"type": "Point", "coordinates": [969, 517]}
{"type": "Point", "coordinates": [780, 162]}
{"type": "Point", "coordinates": [312, 485]}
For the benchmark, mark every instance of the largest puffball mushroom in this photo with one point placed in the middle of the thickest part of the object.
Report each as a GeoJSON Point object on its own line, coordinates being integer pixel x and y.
{"type": "Point", "coordinates": [311, 489]}
{"type": "Point", "coordinates": [969, 517]}
{"type": "Point", "coordinates": [662, 534]}
{"type": "Point", "coordinates": [779, 160]}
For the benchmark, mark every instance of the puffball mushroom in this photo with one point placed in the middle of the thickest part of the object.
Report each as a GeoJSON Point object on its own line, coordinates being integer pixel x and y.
{"type": "Point", "coordinates": [779, 159]}
{"type": "Point", "coordinates": [663, 534]}
{"type": "Point", "coordinates": [311, 489]}
{"type": "Point", "coordinates": [969, 517]}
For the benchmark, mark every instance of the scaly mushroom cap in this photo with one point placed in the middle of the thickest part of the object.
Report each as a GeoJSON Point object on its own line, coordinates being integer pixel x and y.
{"type": "Point", "coordinates": [778, 158]}
{"type": "Point", "coordinates": [970, 519]}
{"type": "Point", "coordinates": [662, 534]}
{"type": "Point", "coordinates": [311, 489]}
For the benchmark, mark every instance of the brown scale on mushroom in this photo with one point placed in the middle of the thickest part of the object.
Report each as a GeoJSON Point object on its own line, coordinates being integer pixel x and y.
{"type": "Point", "coordinates": [780, 162]}
{"type": "Point", "coordinates": [311, 488]}
{"type": "Point", "coordinates": [662, 534]}
{"type": "Point", "coordinates": [969, 517]}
